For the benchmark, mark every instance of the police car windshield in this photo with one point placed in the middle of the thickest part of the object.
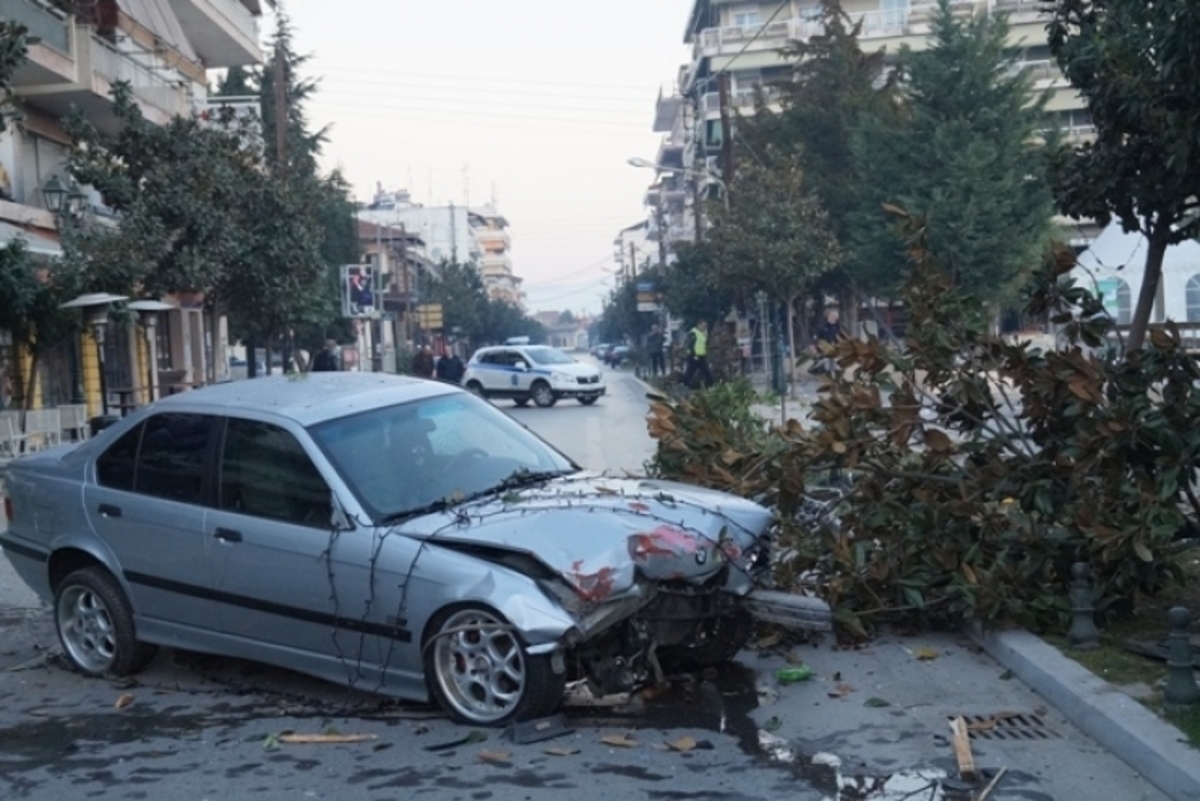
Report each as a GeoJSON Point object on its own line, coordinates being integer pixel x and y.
{"type": "Point", "coordinates": [549, 356]}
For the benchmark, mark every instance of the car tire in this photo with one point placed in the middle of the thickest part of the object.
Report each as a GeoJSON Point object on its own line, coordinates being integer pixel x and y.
{"type": "Point", "coordinates": [542, 395]}
{"type": "Point", "coordinates": [462, 669]}
{"type": "Point", "coordinates": [475, 388]}
{"type": "Point", "coordinates": [521, 401]}
{"type": "Point", "coordinates": [719, 640]}
{"type": "Point", "coordinates": [589, 401]}
{"type": "Point", "coordinates": [95, 625]}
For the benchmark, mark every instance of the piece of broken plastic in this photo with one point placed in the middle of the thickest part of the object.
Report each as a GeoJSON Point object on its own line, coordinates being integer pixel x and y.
{"type": "Point", "coordinates": [790, 675]}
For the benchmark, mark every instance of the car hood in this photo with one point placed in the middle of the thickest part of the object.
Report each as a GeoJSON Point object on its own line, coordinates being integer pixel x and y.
{"type": "Point", "coordinates": [602, 534]}
{"type": "Point", "coordinates": [574, 368]}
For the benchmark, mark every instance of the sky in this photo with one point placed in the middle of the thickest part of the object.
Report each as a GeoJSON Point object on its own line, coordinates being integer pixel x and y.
{"type": "Point", "coordinates": [535, 103]}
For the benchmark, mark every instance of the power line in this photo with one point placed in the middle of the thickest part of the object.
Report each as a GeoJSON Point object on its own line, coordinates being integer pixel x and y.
{"type": "Point", "coordinates": [473, 102]}
{"type": "Point", "coordinates": [479, 115]}
{"type": "Point", "coordinates": [479, 78]}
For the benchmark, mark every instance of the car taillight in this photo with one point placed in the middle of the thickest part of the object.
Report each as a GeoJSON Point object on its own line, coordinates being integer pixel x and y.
{"type": "Point", "coordinates": [8, 509]}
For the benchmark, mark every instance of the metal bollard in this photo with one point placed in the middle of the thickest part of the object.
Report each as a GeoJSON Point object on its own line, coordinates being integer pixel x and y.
{"type": "Point", "coordinates": [1083, 635]}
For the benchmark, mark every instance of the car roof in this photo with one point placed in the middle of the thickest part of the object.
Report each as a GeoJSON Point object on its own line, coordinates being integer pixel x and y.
{"type": "Point", "coordinates": [307, 398]}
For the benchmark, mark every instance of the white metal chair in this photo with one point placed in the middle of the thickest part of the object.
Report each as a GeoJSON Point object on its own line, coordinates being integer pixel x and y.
{"type": "Point", "coordinates": [74, 420]}
{"type": "Point", "coordinates": [43, 428]}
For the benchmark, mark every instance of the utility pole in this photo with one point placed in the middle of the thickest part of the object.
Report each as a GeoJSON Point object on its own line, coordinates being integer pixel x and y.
{"type": "Point", "coordinates": [408, 304]}
{"type": "Point", "coordinates": [662, 236]}
{"type": "Point", "coordinates": [632, 275]}
{"type": "Point", "coordinates": [453, 235]}
{"type": "Point", "coordinates": [726, 133]}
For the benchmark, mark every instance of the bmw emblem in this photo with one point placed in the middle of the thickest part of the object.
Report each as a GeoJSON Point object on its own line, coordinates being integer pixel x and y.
{"type": "Point", "coordinates": [701, 556]}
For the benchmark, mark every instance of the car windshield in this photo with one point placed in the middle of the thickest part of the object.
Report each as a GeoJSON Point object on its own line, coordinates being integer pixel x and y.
{"type": "Point", "coordinates": [549, 356]}
{"type": "Point", "coordinates": [417, 456]}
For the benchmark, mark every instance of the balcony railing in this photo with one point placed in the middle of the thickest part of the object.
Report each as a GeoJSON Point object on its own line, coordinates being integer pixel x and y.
{"type": "Point", "coordinates": [713, 41]}
{"type": "Point", "coordinates": [43, 21]}
{"type": "Point", "coordinates": [1023, 7]}
{"type": "Point", "coordinates": [881, 23]}
{"type": "Point", "coordinates": [1041, 71]}
{"type": "Point", "coordinates": [740, 99]}
{"type": "Point", "coordinates": [146, 83]}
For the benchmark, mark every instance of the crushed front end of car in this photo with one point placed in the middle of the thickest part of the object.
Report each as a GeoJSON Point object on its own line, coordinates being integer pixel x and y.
{"type": "Point", "coordinates": [651, 573]}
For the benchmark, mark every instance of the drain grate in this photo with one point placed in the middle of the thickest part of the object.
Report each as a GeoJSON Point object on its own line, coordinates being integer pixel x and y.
{"type": "Point", "coordinates": [1008, 726]}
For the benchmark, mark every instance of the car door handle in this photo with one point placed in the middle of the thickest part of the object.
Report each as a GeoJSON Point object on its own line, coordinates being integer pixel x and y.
{"type": "Point", "coordinates": [228, 535]}
{"type": "Point", "coordinates": [108, 510]}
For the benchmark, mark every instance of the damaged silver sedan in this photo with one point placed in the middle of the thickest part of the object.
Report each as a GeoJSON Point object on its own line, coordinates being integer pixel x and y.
{"type": "Point", "coordinates": [398, 536]}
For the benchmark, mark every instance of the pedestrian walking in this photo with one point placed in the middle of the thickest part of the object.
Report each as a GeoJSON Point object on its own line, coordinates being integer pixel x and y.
{"type": "Point", "coordinates": [450, 368]}
{"type": "Point", "coordinates": [656, 343]}
{"type": "Point", "coordinates": [829, 333]}
{"type": "Point", "coordinates": [326, 360]}
{"type": "Point", "coordinates": [422, 364]}
{"type": "Point", "coordinates": [697, 350]}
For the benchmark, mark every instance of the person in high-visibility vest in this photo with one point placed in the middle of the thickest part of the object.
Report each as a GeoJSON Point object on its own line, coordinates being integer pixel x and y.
{"type": "Point", "coordinates": [697, 350]}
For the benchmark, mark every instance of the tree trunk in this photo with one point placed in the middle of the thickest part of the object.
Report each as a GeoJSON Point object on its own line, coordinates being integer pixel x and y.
{"type": "Point", "coordinates": [791, 324]}
{"type": "Point", "coordinates": [30, 385]}
{"type": "Point", "coordinates": [1151, 276]}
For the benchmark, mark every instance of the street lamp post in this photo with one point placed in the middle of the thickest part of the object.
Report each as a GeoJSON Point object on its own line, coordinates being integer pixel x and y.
{"type": "Point", "coordinates": [148, 311]}
{"type": "Point", "coordinates": [711, 176]}
{"type": "Point", "coordinates": [95, 308]}
{"type": "Point", "coordinates": [67, 204]}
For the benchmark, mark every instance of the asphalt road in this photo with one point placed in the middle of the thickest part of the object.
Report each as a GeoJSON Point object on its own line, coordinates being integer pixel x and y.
{"type": "Point", "coordinates": [870, 725]}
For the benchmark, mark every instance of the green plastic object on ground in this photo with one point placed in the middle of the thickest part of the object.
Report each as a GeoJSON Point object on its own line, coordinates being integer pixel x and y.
{"type": "Point", "coordinates": [791, 675]}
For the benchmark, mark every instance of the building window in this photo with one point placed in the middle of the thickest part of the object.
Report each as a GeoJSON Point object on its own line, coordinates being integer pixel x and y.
{"type": "Point", "coordinates": [746, 18]}
{"type": "Point", "coordinates": [1117, 300]}
{"type": "Point", "coordinates": [1193, 299]}
{"type": "Point", "coordinates": [895, 13]}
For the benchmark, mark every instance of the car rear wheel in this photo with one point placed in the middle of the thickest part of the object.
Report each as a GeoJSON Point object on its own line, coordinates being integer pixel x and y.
{"type": "Point", "coordinates": [95, 625]}
{"type": "Point", "coordinates": [543, 396]}
{"type": "Point", "coordinates": [589, 401]}
{"type": "Point", "coordinates": [475, 387]}
{"type": "Point", "coordinates": [479, 671]}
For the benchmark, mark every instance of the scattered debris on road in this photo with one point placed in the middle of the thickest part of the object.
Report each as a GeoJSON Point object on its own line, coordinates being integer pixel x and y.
{"type": "Point", "coordinates": [962, 748]}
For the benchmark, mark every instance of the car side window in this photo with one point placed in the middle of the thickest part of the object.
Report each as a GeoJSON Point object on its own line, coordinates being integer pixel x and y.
{"type": "Point", "coordinates": [115, 467]}
{"type": "Point", "coordinates": [514, 358]}
{"type": "Point", "coordinates": [266, 473]}
{"type": "Point", "coordinates": [492, 358]}
{"type": "Point", "coordinates": [171, 459]}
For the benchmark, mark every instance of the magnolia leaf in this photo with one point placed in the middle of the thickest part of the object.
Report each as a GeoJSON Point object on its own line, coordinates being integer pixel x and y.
{"type": "Point", "coordinates": [619, 741]}
{"type": "Point", "coordinates": [1142, 551]}
{"type": "Point", "coordinates": [124, 701]}
{"type": "Point", "coordinates": [938, 441]}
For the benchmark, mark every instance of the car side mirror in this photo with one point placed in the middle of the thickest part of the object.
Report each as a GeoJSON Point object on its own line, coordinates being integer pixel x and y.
{"type": "Point", "coordinates": [338, 518]}
{"type": "Point", "coordinates": [523, 367]}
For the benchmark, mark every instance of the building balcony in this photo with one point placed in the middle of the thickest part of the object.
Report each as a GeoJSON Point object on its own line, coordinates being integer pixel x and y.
{"type": "Point", "coordinates": [740, 100]}
{"type": "Point", "coordinates": [51, 60]}
{"type": "Point", "coordinates": [880, 27]}
{"type": "Point", "coordinates": [223, 32]}
{"type": "Point", "coordinates": [667, 111]}
{"type": "Point", "coordinates": [737, 39]}
{"type": "Point", "coordinates": [161, 93]}
{"type": "Point", "coordinates": [1022, 10]}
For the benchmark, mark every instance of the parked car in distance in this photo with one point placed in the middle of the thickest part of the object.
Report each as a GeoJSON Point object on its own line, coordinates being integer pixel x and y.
{"type": "Point", "coordinates": [619, 355]}
{"type": "Point", "coordinates": [386, 533]}
{"type": "Point", "coordinates": [601, 351]}
{"type": "Point", "coordinates": [532, 372]}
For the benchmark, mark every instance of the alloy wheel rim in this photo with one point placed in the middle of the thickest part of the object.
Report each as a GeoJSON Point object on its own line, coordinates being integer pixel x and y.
{"type": "Point", "coordinates": [479, 666]}
{"type": "Point", "coordinates": [541, 394]}
{"type": "Point", "coordinates": [87, 629]}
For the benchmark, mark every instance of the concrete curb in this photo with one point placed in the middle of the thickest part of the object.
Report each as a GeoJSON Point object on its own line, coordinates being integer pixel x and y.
{"type": "Point", "coordinates": [1129, 730]}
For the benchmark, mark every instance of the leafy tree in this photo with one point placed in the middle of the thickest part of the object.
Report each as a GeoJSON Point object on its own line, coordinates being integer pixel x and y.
{"type": "Point", "coordinates": [1137, 65]}
{"type": "Point", "coordinates": [14, 43]}
{"type": "Point", "coordinates": [566, 318]}
{"type": "Point", "coordinates": [776, 236]}
{"type": "Point", "coordinates": [833, 85]}
{"type": "Point", "coordinates": [302, 144]}
{"type": "Point", "coordinates": [959, 155]}
{"type": "Point", "coordinates": [691, 286]}
{"type": "Point", "coordinates": [179, 189]}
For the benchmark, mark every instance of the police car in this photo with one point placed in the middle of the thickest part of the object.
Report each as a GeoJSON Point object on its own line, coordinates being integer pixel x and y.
{"type": "Point", "coordinates": [532, 373]}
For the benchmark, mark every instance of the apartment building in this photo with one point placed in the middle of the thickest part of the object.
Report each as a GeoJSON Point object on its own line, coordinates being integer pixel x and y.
{"type": "Point", "coordinates": [467, 235]}
{"type": "Point", "coordinates": [163, 49]}
{"type": "Point", "coordinates": [746, 40]}
{"type": "Point", "coordinates": [490, 230]}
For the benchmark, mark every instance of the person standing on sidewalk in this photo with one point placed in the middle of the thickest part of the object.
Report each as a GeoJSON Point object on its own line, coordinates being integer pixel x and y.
{"type": "Point", "coordinates": [697, 350]}
{"type": "Point", "coordinates": [655, 344]}
{"type": "Point", "coordinates": [829, 333]}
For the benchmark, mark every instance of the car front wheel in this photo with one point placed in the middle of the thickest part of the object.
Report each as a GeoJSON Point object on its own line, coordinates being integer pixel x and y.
{"type": "Point", "coordinates": [475, 388]}
{"type": "Point", "coordinates": [479, 671]}
{"type": "Point", "coordinates": [542, 395]}
{"type": "Point", "coordinates": [95, 625]}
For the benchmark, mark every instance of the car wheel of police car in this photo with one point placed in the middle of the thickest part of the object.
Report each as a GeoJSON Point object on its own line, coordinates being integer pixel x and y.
{"type": "Point", "coordinates": [543, 396]}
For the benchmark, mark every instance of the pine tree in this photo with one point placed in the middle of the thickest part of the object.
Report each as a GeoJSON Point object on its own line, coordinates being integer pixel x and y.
{"type": "Point", "coordinates": [960, 153]}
